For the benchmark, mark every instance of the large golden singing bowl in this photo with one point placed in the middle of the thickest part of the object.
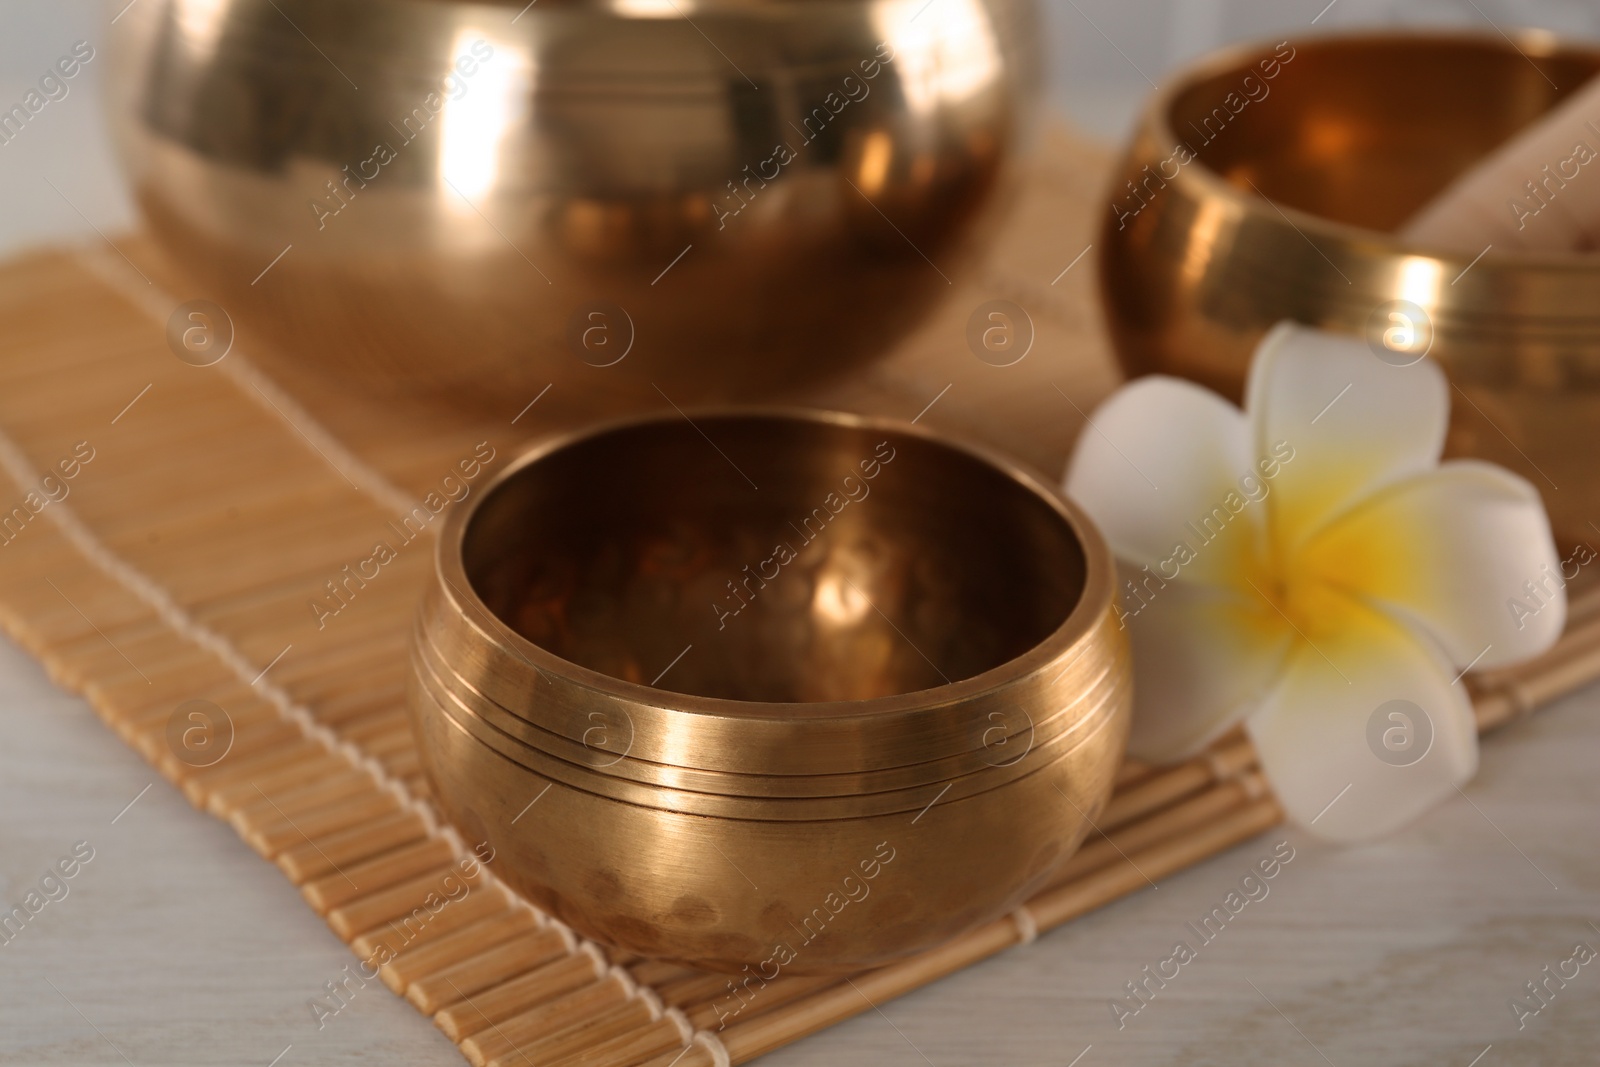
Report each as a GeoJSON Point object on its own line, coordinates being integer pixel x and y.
{"type": "Point", "coordinates": [1246, 199]}
{"type": "Point", "coordinates": [713, 198]}
{"type": "Point", "coordinates": [805, 728]}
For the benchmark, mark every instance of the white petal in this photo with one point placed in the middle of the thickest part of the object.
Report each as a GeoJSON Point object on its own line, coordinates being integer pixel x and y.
{"type": "Point", "coordinates": [1343, 422]}
{"type": "Point", "coordinates": [1202, 658]}
{"type": "Point", "coordinates": [1371, 690]}
{"type": "Point", "coordinates": [1155, 468]}
{"type": "Point", "coordinates": [1454, 551]}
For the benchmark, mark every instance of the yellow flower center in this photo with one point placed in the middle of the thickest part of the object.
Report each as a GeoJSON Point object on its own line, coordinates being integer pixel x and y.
{"type": "Point", "coordinates": [1315, 589]}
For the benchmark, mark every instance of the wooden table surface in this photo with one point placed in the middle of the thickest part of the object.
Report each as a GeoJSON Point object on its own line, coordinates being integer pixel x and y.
{"type": "Point", "coordinates": [176, 944]}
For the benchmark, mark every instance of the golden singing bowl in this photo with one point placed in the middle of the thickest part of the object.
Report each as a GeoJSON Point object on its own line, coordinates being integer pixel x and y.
{"type": "Point", "coordinates": [1285, 211]}
{"type": "Point", "coordinates": [711, 199]}
{"type": "Point", "coordinates": [812, 726]}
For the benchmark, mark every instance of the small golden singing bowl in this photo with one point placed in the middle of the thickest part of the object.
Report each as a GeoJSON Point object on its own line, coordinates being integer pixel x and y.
{"type": "Point", "coordinates": [794, 692]}
{"type": "Point", "coordinates": [1264, 184]}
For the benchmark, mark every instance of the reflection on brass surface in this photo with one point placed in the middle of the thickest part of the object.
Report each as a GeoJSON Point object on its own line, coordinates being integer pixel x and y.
{"type": "Point", "coordinates": [733, 663]}
{"type": "Point", "coordinates": [470, 200]}
{"type": "Point", "coordinates": [1351, 137]}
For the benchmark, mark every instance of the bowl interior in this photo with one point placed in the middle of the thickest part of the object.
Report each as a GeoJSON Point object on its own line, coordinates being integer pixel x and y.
{"type": "Point", "coordinates": [1366, 130]}
{"type": "Point", "coordinates": [773, 558]}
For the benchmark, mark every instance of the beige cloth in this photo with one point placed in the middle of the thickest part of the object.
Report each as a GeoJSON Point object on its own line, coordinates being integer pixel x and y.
{"type": "Point", "coordinates": [1538, 191]}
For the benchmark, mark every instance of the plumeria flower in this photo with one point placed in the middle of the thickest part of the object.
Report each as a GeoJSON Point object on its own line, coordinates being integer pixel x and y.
{"type": "Point", "coordinates": [1307, 566]}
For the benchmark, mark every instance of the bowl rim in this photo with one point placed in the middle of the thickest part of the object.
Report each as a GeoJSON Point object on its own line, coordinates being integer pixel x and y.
{"type": "Point", "coordinates": [1079, 627]}
{"type": "Point", "coordinates": [1530, 43]}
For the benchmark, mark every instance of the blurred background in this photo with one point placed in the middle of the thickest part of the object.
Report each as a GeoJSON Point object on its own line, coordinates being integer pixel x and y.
{"type": "Point", "coordinates": [1106, 54]}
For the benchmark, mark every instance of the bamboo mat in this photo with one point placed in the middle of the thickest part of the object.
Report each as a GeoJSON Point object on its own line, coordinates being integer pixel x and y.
{"type": "Point", "coordinates": [208, 507]}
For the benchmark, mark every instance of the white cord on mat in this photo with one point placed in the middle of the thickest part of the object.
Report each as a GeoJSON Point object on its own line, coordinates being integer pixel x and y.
{"type": "Point", "coordinates": [646, 995]}
{"type": "Point", "coordinates": [1027, 926]}
{"type": "Point", "coordinates": [568, 937]}
{"type": "Point", "coordinates": [18, 467]}
{"type": "Point", "coordinates": [158, 305]}
{"type": "Point", "coordinates": [709, 1042]}
{"type": "Point", "coordinates": [686, 1029]}
{"type": "Point", "coordinates": [597, 956]}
